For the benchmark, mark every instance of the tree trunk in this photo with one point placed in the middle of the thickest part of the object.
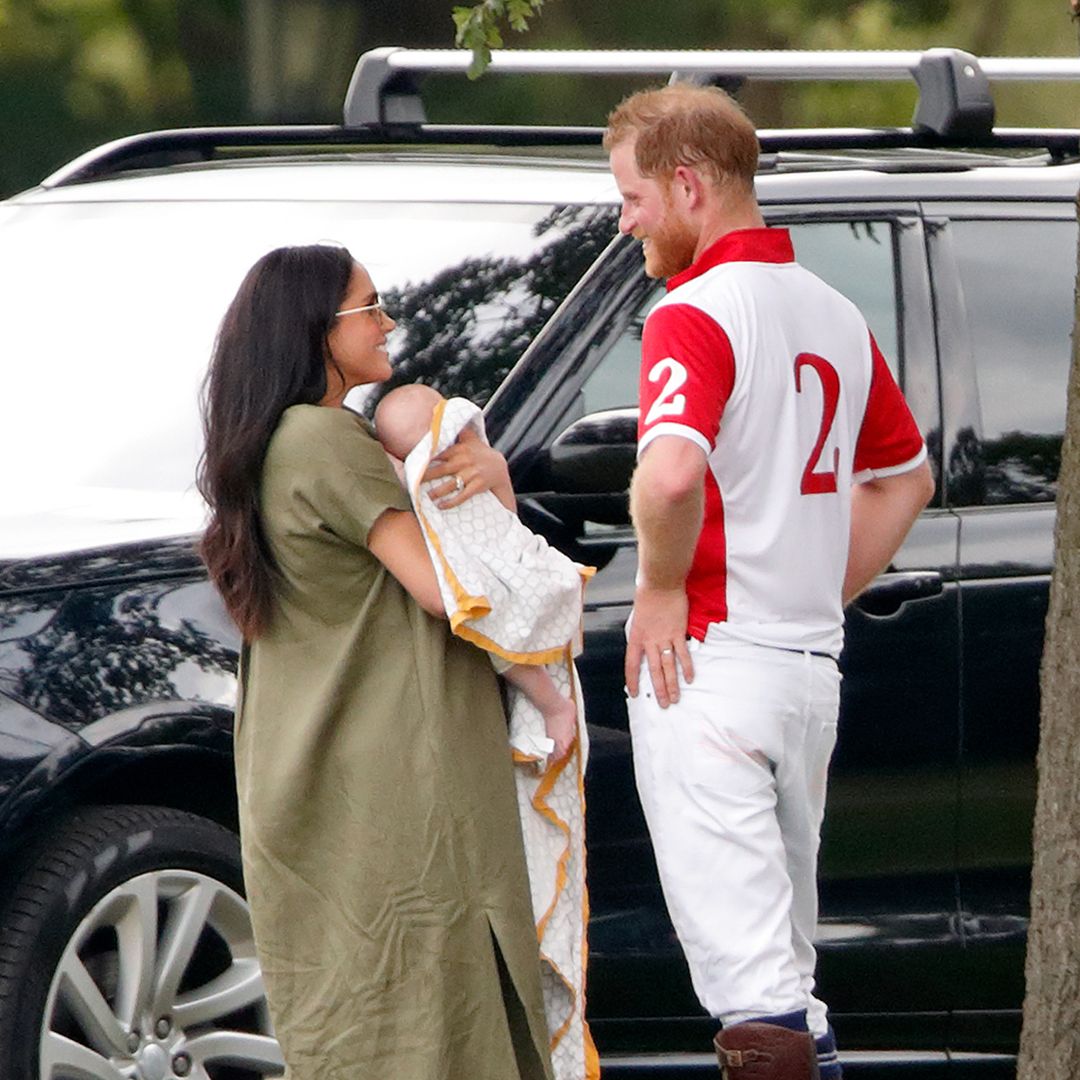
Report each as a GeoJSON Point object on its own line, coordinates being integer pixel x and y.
{"type": "Point", "coordinates": [1050, 1042]}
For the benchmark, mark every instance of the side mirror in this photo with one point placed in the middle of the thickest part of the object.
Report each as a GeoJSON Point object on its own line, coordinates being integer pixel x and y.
{"type": "Point", "coordinates": [594, 455]}
{"type": "Point", "coordinates": [585, 473]}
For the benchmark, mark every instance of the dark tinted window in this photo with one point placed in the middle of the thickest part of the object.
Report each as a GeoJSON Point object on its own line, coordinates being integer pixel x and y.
{"type": "Point", "coordinates": [1018, 279]}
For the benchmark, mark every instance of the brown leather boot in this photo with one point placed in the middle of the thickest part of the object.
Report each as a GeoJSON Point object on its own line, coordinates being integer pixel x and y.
{"type": "Point", "coordinates": [756, 1051]}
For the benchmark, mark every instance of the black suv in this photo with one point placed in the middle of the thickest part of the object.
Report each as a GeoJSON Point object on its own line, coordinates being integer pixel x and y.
{"type": "Point", "coordinates": [125, 947]}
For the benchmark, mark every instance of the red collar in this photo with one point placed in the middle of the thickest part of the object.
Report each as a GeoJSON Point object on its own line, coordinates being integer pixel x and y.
{"type": "Point", "coordinates": [769, 245]}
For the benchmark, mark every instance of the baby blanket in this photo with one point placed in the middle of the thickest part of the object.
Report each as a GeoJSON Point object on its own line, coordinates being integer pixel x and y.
{"type": "Point", "coordinates": [508, 591]}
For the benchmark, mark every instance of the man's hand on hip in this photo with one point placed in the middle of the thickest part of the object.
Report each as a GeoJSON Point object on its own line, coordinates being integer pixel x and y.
{"type": "Point", "coordinates": [658, 637]}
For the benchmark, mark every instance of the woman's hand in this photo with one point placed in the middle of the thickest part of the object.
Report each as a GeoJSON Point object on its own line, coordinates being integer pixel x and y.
{"type": "Point", "coordinates": [470, 467]}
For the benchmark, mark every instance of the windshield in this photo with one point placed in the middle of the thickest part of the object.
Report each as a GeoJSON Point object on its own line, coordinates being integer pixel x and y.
{"type": "Point", "coordinates": [108, 314]}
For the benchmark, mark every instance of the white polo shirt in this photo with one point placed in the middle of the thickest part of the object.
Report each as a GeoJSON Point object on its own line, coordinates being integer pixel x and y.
{"type": "Point", "coordinates": [775, 375]}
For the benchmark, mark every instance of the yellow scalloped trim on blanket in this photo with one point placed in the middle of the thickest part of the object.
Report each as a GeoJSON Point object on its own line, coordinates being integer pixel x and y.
{"type": "Point", "coordinates": [471, 634]}
{"type": "Point", "coordinates": [561, 876]}
{"type": "Point", "coordinates": [468, 607]}
{"type": "Point", "coordinates": [520, 758]}
{"type": "Point", "coordinates": [592, 1058]}
{"type": "Point", "coordinates": [545, 811]}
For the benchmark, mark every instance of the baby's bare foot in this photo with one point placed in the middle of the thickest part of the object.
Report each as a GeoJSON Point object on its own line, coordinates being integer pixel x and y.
{"type": "Point", "coordinates": [560, 724]}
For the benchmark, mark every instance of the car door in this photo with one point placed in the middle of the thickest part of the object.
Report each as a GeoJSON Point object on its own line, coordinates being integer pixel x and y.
{"type": "Point", "coordinates": [1004, 276]}
{"type": "Point", "coordinates": [887, 931]}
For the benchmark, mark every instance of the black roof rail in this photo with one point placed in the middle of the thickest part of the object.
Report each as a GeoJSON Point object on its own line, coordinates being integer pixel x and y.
{"type": "Point", "coordinates": [180, 146]}
{"type": "Point", "coordinates": [1060, 143]}
{"type": "Point", "coordinates": [154, 149]}
{"type": "Point", "coordinates": [954, 91]}
{"type": "Point", "coordinates": [160, 149]}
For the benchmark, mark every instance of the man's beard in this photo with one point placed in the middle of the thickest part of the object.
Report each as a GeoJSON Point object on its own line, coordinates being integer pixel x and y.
{"type": "Point", "coordinates": [669, 248]}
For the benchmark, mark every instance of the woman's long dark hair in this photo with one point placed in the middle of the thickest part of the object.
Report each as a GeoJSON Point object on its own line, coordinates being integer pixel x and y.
{"type": "Point", "coordinates": [270, 353]}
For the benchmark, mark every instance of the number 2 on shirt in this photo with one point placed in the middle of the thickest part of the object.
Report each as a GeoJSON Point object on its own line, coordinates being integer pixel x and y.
{"type": "Point", "coordinates": [668, 402]}
{"type": "Point", "coordinates": [814, 482]}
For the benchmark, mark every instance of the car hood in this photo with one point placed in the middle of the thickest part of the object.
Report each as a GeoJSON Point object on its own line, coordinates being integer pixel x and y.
{"type": "Point", "coordinates": [172, 557]}
{"type": "Point", "coordinates": [77, 519]}
{"type": "Point", "coordinates": [72, 546]}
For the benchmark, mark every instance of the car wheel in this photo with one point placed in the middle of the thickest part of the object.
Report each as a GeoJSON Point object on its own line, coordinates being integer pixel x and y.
{"type": "Point", "coordinates": [126, 952]}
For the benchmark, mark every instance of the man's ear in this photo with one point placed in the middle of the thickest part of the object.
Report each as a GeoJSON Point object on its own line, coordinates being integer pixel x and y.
{"type": "Point", "coordinates": [688, 183]}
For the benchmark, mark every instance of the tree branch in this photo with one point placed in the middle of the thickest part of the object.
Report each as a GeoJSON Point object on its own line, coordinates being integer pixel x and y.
{"type": "Point", "coordinates": [478, 27]}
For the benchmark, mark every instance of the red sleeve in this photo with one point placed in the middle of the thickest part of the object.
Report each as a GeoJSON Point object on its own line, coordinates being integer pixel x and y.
{"type": "Point", "coordinates": [889, 436]}
{"type": "Point", "coordinates": [687, 372]}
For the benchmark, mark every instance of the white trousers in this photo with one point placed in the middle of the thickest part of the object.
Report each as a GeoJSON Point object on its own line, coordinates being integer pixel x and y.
{"type": "Point", "coordinates": [732, 781]}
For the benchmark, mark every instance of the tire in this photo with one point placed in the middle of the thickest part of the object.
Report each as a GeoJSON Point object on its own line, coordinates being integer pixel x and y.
{"type": "Point", "coordinates": [126, 951]}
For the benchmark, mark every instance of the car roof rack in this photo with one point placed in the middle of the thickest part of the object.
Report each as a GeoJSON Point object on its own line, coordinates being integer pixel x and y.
{"type": "Point", "coordinates": [954, 92]}
{"type": "Point", "coordinates": [383, 105]}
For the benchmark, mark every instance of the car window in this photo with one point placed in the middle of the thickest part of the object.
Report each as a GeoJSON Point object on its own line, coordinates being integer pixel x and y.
{"type": "Point", "coordinates": [855, 257]}
{"type": "Point", "coordinates": [1018, 279]}
{"type": "Point", "coordinates": [465, 326]}
{"type": "Point", "coordinates": [108, 314]}
{"type": "Point", "coordinates": [613, 383]}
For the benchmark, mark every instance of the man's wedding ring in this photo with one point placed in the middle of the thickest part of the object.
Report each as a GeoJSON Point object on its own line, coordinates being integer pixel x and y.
{"type": "Point", "coordinates": [459, 484]}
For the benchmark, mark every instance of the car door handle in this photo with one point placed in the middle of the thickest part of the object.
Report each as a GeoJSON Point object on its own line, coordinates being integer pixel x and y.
{"type": "Point", "coordinates": [887, 593]}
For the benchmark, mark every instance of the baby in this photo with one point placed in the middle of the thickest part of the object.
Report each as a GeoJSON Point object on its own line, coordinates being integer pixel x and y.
{"type": "Point", "coordinates": [402, 418]}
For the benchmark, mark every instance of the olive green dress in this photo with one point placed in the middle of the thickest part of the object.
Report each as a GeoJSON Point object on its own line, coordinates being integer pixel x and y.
{"type": "Point", "coordinates": [382, 850]}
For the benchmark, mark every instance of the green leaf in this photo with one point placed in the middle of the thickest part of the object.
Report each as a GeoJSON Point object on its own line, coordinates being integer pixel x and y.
{"type": "Point", "coordinates": [477, 27]}
{"type": "Point", "coordinates": [481, 59]}
{"type": "Point", "coordinates": [462, 16]}
{"type": "Point", "coordinates": [518, 12]}
{"type": "Point", "coordinates": [471, 28]}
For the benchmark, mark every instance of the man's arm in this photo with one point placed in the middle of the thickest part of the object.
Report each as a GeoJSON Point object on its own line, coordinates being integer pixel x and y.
{"type": "Point", "coordinates": [667, 506]}
{"type": "Point", "coordinates": [882, 512]}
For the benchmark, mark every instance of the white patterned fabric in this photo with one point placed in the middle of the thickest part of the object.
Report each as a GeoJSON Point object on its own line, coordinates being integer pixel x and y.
{"type": "Point", "coordinates": [508, 591]}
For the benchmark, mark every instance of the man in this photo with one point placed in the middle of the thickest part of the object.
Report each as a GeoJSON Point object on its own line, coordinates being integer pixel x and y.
{"type": "Point", "coordinates": [779, 469]}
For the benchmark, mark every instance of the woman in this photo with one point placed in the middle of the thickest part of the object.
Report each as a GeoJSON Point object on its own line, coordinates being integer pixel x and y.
{"type": "Point", "coordinates": [382, 851]}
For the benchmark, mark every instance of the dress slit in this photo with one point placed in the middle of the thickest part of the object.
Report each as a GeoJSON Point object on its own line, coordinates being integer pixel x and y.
{"type": "Point", "coordinates": [529, 1066]}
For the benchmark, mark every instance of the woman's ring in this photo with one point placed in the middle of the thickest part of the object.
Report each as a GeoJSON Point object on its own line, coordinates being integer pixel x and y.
{"type": "Point", "coordinates": [459, 484]}
{"type": "Point", "coordinates": [666, 652]}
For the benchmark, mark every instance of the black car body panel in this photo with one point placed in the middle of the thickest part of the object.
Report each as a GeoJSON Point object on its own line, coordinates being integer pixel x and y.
{"type": "Point", "coordinates": [108, 660]}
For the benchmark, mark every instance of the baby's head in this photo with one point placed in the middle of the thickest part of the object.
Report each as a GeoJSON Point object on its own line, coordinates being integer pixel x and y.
{"type": "Point", "coordinates": [403, 417]}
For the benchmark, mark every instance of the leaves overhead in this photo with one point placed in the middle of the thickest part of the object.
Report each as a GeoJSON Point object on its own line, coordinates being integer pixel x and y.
{"type": "Point", "coordinates": [478, 27]}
